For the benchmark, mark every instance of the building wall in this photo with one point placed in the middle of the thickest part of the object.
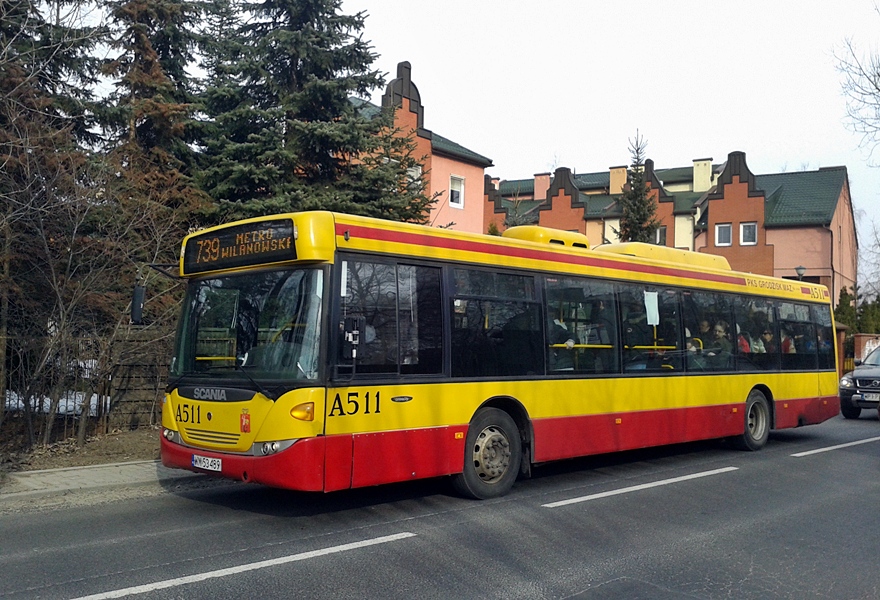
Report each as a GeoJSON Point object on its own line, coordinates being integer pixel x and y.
{"type": "Point", "coordinates": [563, 215]}
{"type": "Point", "coordinates": [808, 247]}
{"type": "Point", "coordinates": [845, 249]}
{"type": "Point", "coordinates": [737, 206]}
{"type": "Point", "coordinates": [684, 232]}
{"type": "Point", "coordinates": [470, 216]}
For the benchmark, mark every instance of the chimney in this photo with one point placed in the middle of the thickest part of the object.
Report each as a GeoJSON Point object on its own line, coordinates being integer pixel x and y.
{"type": "Point", "coordinates": [542, 184]}
{"type": "Point", "coordinates": [702, 174]}
{"type": "Point", "coordinates": [496, 181]}
{"type": "Point", "coordinates": [617, 180]}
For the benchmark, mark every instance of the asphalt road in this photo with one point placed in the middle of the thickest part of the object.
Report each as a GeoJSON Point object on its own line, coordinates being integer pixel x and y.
{"type": "Point", "coordinates": [796, 520]}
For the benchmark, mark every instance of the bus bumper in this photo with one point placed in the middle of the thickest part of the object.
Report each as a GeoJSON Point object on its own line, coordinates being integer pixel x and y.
{"type": "Point", "coordinates": [300, 467]}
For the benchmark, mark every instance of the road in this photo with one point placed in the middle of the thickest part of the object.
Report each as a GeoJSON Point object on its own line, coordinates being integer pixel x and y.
{"type": "Point", "coordinates": [796, 520]}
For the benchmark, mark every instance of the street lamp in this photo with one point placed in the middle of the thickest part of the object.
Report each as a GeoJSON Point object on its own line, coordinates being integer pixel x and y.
{"type": "Point", "coordinates": [800, 270]}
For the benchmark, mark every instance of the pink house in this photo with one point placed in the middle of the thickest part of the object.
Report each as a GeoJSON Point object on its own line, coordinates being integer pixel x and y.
{"type": "Point", "coordinates": [454, 173]}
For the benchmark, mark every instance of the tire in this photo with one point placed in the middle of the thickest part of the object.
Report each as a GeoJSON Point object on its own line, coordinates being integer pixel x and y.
{"type": "Point", "coordinates": [492, 456]}
{"type": "Point", "coordinates": [848, 410]}
{"type": "Point", "coordinates": [757, 423]}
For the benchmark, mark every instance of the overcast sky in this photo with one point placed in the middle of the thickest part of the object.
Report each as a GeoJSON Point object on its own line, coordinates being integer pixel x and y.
{"type": "Point", "coordinates": [538, 85]}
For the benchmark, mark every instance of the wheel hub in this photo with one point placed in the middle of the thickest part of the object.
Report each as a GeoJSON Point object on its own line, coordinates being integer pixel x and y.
{"type": "Point", "coordinates": [491, 454]}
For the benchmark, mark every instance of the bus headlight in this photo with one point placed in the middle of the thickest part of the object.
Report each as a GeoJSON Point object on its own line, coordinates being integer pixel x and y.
{"type": "Point", "coordinates": [270, 448]}
{"type": "Point", "coordinates": [304, 411]}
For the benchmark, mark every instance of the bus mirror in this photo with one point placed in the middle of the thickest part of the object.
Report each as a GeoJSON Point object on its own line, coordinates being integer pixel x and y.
{"type": "Point", "coordinates": [137, 304]}
{"type": "Point", "coordinates": [351, 334]}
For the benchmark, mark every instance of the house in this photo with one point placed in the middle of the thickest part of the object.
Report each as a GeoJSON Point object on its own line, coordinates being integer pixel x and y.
{"type": "Point", "coordinates": [454, 173]}
{"type": "Point", "coordinates": [794, 225]}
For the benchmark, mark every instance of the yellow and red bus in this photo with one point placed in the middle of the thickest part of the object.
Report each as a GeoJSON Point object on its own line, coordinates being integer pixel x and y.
{"type": "Point", "coordinates": [320, 352]}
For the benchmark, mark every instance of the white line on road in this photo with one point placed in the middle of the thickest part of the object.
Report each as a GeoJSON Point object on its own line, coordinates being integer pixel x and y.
{"type": "Point", "coordinates": [160, 585]}
{"type": "Point", "coordinates": [838, 447]}
{"type": "Point", "coordinates": [636, 488]}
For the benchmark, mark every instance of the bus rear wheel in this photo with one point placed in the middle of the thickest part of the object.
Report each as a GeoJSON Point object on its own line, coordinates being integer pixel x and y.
{"type": "Point", "coordinates": [757, 425]}
{"type": "Point", "coordinates": [492, 456]}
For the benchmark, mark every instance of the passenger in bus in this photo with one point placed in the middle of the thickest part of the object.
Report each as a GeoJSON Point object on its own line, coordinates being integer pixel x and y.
{"type": "Point", "coordinates": [705, 331]}
{"type": "Point", "coordinates": [787, 344]}
{"type": "Point", "coordinates": [720, 349]}
{"type": "Point", "coordinates": [561, 359]}
{"type": "Point", "coordinates": [636, 331]}
{"type": "Point", "coordinates": [769, 341]}
{"type": "Point", "coordinates": [756, 342]}
{"type": "Point", "coordinates": [742, 342]}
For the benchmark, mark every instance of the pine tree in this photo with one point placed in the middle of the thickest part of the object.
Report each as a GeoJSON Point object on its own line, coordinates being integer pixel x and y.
{"type": "Point", "coordinates": [150, 117]}
{"type": "Point", "coordinates": [286, 133]}
{"type": "Point", "coordinates": [638, 221]}
{"type": "Point", "coordinates": [845, 313]}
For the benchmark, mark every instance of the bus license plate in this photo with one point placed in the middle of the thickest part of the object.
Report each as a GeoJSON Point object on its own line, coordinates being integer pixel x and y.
{"type": "Point", "coordinates": [871, 397]}
{"type": "Point", "coordinates": [209, 464]}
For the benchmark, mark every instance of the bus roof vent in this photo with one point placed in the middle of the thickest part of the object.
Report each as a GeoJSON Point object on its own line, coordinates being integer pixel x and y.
{"type": "Point", "coordinates": [673, 255]}
{"type": "Point", "coordinates": [548, 235]}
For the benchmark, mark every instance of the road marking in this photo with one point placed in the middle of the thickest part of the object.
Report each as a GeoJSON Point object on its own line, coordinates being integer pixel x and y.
{"type": "Point", "coordinates": [637, 488]}
{"type": "Point", "coordinates": [838, 447]}
{"type": "Point", "coordinates": [161, 585]}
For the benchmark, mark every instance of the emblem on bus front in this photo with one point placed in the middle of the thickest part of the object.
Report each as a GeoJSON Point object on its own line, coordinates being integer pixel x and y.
{"type": "Point", "coordinates": [245, 421]}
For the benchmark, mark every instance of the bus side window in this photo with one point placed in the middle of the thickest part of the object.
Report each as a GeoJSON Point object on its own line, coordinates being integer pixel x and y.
{"type": "Point", "coordinates": [821, 317]}
{"type": "Point", "coordinates": [496, 328]}
{"type": "Point", "coordinates": [580, 314]}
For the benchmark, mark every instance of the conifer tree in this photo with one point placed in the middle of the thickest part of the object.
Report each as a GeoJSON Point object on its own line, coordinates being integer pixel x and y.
{"type": "Point", "coordinates": [150, 117]}
{"type": "Point", "coordinates": [290, 137]}
{"type": "Point", "coordinates": [638, 221]}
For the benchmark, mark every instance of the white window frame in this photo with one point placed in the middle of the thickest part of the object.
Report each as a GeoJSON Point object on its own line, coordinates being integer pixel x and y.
{"type": "Point", "coordinates": [718, 228]}
{"type": "Point", "coordinates": [742, 234]}
{"type": "Point", "coordinates": [661, 229]}
{"type": "Point", "coordinates": [460, 203]}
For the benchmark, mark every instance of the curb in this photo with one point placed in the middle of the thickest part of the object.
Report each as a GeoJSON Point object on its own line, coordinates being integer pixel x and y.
{"type": "Point", "coordinates": [32, 484]}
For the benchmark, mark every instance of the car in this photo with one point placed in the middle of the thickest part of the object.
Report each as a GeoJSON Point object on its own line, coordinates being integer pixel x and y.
{"type": "Point", "coordinates": [860, 388]}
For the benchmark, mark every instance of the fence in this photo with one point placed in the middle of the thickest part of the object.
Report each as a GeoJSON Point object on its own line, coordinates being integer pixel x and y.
{"type": "Point", "coordinates": [119, 387]}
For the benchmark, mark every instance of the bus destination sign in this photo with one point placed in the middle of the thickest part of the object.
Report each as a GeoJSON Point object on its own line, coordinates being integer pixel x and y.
{"type": "Point", "coordinates": [249, 244]}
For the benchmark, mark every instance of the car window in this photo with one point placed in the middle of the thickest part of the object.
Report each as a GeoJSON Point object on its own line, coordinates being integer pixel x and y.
{"type": "Point", "coordinates": [873, 359]}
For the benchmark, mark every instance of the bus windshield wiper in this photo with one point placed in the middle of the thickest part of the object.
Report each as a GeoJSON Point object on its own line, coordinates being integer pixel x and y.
{"type": "Point", "coordinates": [260, 388]}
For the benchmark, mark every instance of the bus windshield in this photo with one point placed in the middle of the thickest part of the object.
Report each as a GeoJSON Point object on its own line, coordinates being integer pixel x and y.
{"type": "Point", "coordinates": [266, 323]}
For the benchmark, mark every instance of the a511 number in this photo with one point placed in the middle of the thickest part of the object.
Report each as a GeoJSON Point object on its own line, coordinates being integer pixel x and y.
{"type": "Point", "coordinates": [353, 404]}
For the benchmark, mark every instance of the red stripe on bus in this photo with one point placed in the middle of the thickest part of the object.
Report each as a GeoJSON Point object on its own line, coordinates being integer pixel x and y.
{"type": "Point", "coordinates": [568, 437]}
{"type": "Point", "coordinates": [419, 239]}
{"type": "Point", "coordinates": [405, 455]}
{"type": "Point", "coordinates": [806, 411]}
{"type": "Point", "coordinates": [806, 290]}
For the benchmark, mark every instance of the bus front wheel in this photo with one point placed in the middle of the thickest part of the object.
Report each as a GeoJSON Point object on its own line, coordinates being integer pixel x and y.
{"type": "Point", "coordinates": [492, 456]}
{"type": "Point", "coordinates": [757, 425]}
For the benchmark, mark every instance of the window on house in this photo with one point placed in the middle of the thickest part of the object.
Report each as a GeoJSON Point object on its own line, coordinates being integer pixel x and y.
{"type": "Point", "coordinates": [748, 234]}
{"type": "Point", "coordinates": [660, 236]}
{"type": "Point", "coordinates": [456, 192]}
{"type": "Point", "coordinates": [722, 234]}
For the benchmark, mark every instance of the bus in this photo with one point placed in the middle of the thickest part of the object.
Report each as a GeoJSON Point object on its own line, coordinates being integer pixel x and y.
{"type": "Point", "coordinates": [321, 352]}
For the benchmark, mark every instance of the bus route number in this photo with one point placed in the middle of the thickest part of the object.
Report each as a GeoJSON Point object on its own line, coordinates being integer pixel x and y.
{"type": "Point", "coordinates": [354, 404]}
{"type": "Point", "coordinates": [187, 413]}
{"type": "Point", "coordinates": [209, 250]}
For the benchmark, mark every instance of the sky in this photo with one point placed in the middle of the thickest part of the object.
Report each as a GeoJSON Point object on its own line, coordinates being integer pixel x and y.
{"type": "Point", "coordinates": [569, 83]}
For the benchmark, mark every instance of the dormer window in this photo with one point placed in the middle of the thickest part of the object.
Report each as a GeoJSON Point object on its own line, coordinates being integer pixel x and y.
{"type": "Point", "coordinates": [723, 234]}
{"type": "Point", "coordinates": [748, 234]}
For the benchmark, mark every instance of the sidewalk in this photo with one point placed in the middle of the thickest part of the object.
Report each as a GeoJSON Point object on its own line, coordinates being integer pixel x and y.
{"type": "Point", "coordinates": [59, 481]}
